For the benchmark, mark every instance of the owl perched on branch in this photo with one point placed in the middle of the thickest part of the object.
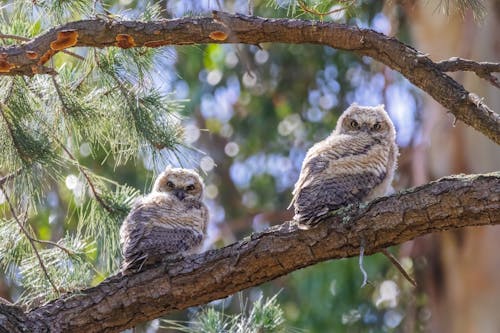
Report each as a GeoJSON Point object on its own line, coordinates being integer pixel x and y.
{"type": "Point", "coordinates": [169, 221]}
{"type": "Point", "coordinates": [354, 164]}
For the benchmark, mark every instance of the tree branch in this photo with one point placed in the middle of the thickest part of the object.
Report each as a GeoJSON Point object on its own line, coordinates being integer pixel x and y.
{"type": "Point", "coordinates": [484, 70]}
{"type": "Point", "coordinates": [121, 302]}
{"type": "Point", "coordinates": [29, 58]}
{"type": "Point", "coordinates": [25, 39]}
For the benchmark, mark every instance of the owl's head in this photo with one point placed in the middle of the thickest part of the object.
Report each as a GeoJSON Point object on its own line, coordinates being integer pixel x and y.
{"type": "Point", "coordinates": [371, 120]}
{"type": "Point", "coordinates": [181, 183]}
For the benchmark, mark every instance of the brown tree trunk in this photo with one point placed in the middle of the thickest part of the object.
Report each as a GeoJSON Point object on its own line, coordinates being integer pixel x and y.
{"type": "Point", "coordinates": [461, 278]}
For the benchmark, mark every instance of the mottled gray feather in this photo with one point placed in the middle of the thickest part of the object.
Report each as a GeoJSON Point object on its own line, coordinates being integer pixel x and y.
{"type": "Point", "coordinates": [332, 193]}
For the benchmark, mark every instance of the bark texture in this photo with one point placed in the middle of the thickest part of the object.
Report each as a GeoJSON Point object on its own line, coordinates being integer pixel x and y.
{"type": "Point", "coordinates": [12, 319]}
{"type": "Point", "coordinates": [122, 302]}
{"type": "Point", "coordinates": [29, 58]}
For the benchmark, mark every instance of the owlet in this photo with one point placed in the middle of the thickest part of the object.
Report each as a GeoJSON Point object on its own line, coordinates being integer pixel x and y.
{"type": "Point", "coordinates": [354, 164]}
{"type": "Point", "coordinates": [171, 220]}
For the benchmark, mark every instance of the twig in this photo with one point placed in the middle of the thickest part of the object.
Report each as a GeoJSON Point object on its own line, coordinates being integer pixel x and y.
{"type": "Point", "coordinates": [40, 241]}
{"type": "Point", "coordinates": [10, 176]}
{"type": "Point", "coordinates": [82, 170]}
{"type": "Point", "coordinates": [22, 154]}
{"type": "Point", "coordinates": [87, 178]}
{"type": "Point", "coordinates": [30, 239]}
{"type": "Point", "coordinates": [482, 69]}
{"type": "Point", "coordinates": [400, 268]}
{"type": "Point", "coordinates": [25, 39]}
{"type": "Point", "coordinates": [59, 246]}
{"type": "Point", "coordinates": [7, 36]}
{"type": "Point", "coordinates": [60, 94]}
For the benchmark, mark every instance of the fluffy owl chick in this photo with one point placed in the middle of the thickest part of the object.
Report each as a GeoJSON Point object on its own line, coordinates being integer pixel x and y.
{"type": "Point", "coordinates": [354, 164]}
{"type": "Point", "coordinates": [171, 220]}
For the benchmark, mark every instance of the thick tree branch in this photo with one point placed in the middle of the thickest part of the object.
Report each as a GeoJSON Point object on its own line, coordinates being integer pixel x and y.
{"type": "Point", "coordinates": [121, 302]}
{"type": "Point", "coordinates": [29, 58]}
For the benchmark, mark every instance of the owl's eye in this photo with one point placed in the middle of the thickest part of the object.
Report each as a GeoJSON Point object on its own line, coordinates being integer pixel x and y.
{"type": "Point", "coordinates": [377, 126]}
{"type": "Point", "coordinates": [354, 124]}
{"type": "Point", "coordinates": [190, 187]}
{"type": "Point", "coordinates": [170, 184]}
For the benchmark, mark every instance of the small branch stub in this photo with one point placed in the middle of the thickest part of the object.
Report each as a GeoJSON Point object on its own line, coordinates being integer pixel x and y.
{"type": "Point", "coordinates": [5, 66]}
{"type": "Point", "coordinates": [125, 41]}
{"type": "Point", "coordinates": [218, 35]}
{"type": "Point", "coordinates": [32, 55]}
{"type": "Point", "coordinates": [65, 39]}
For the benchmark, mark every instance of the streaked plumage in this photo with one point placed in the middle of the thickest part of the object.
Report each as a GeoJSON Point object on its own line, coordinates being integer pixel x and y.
{"type": "Point", "coordinates": [171, 220]}
{"type": "Point", "coordinates": [354, 164]}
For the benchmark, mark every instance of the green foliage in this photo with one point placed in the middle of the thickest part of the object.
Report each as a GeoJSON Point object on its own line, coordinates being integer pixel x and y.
{"type": "Point", "coordinates": [109, 103]}
{"type": "Point", "coordinates": [264, 316]}
{"type": "Point", "coordinates": [68, 270]}
{"type": "Point", "coordinates": [100, 220]}
{"type": "Point", "coordinates": [14, 247]}
{"type": "Point", "coordinates": [151, 113]}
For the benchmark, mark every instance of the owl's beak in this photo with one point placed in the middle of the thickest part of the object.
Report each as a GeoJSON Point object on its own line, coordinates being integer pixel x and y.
{"type": "Point", "coordinates": [365, 127]}
{"type": "Point", "coordinates": [180, 194]}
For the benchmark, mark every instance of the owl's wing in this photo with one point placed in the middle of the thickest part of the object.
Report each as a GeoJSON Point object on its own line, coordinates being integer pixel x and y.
{"type": "Point", "coordinates": [318, 158]}
{"type": "Point", "coordinates": [160, 243]}
{"type": "Point", "coordinates": [335, 176]}
{"type": "Point", "coordinates": [165, 241]}
{"type": "Point", "coordinates": [317, 199]}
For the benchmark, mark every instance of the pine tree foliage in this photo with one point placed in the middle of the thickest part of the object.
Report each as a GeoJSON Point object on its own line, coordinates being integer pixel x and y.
{"type": "Point", "coordinates": [324, 8]}
{"type": "Point", "coordinates": [102, 98]}
{"type": "Point", "coordinates": [14, 247]}
{"type": "Point", "coordinates": [69, 270]}
{"type": "Point", "coordinates": [265, 315]}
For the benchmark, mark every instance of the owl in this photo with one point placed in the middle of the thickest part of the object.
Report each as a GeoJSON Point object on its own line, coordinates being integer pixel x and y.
{"type": "Point", "coordinates": [171, 220]}
{"type": "Point", "coordinates": [354, 164]}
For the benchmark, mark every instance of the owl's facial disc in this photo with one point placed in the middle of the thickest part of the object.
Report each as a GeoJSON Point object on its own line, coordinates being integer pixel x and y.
{"type": "Point", "coordinates": [181, 183]}
{"type": "Point", "coordinates": [182, 188]}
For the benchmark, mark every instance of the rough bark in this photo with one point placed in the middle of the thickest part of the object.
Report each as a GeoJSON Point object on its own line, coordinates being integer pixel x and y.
{"type": "Point", "coordinates": [29, 58]}
{"type": "Point", "coordinates": [121, 302]}
{"type": "Point", "coordinates": [12, 319]}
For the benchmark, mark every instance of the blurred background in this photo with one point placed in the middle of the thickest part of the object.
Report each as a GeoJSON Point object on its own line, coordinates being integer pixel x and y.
{"type": "Point", "coordinates": [250, 114]}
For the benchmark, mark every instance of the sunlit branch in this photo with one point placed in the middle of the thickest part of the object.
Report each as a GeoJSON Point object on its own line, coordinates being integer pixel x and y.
{"type": "Point", "coordinates": [29, 58]}
{"type": "Point", "coordinates": [484, 70]}
{"type": "Point", "coordinates": [123, 301]}
{"type": "Point", "coordinates": [25, 39]}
